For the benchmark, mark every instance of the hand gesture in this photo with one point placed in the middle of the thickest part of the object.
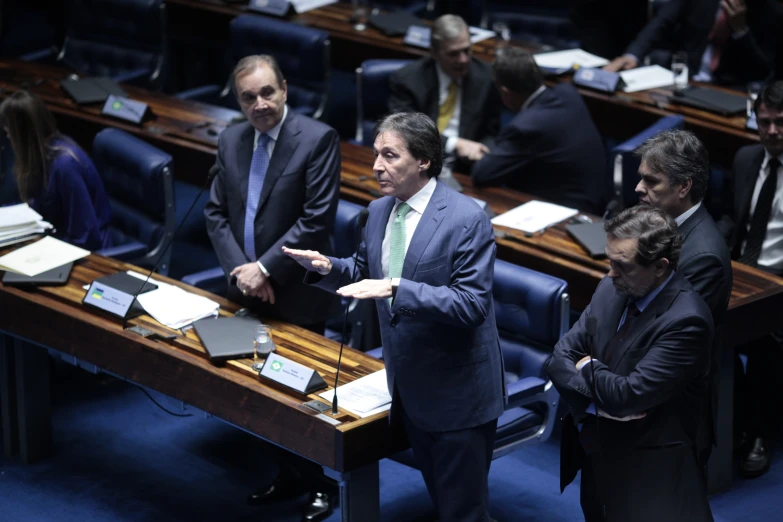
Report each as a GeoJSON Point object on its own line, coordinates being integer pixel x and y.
{"type": "Point", "coordinates": [310, 259]}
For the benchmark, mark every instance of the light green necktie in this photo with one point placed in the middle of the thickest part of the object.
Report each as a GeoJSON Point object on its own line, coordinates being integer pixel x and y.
{"type": "Point", "coordinates": [397, 243]}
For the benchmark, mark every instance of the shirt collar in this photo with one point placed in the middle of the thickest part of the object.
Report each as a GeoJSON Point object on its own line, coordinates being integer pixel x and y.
{"type": "Point", "coordinates": [645, 301]}
{"type": "Point", "coordinates": [274, 132]}
{"type": "Point", "coordinates": [421, 199]}
{"type": "Point", "coordinates": [532, 97]}
{"type": "Point", "coordinates": [682, 218]}
{"type": "Point", "coordinates": [444, 80]}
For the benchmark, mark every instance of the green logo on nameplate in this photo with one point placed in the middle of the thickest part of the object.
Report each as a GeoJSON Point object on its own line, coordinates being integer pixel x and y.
{"type": "Point", "coordinates": [117, 105]}
{"type": "Point", "coordinates": [277, 366]}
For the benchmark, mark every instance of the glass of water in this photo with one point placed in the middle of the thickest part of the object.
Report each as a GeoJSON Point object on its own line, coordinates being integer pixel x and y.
{"type": "Point", "coordinates": [680, 70]}
{"type": "Point", "coordinates": [502, 30]}
{"type": "Point", "coordinates": [262, 341]}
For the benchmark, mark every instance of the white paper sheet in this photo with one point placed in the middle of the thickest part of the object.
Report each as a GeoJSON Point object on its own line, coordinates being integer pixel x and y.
{"type": "Point", "coordinates": [568, 58]}
{"type": "Point", "coordinates": [644, 78]}
{"type": "Point", "coordinates": [363, 397]}
{"type": "Point", "coordinates": [16, 215]}
{"type": "Point", "coordinates": [301, 6]}
{"type": "Point", "coordinates": [43, 255]}
{"type": "Point", "coordinates": [534, 216]}
{"type": "Point", "coordinates": [172, 306]}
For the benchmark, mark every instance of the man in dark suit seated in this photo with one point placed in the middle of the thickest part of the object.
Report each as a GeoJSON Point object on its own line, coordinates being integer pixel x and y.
{"type": "Point", "coordinates": [726, 41]}
{"type": "Point", "coordinates": [551, 148]}
{"type": "Point", "coordinates": [428, 262]}
{"type": "Point", "coordinates": [452, 88]}
{"type": "Point", "coordinates": [674, 174]}
{"type": "Point", "coordinates": [634, 373]}
{"type": "Point", "coordinates": [757, 241]}
{"type": "Point", "coordinates": [278, 184]}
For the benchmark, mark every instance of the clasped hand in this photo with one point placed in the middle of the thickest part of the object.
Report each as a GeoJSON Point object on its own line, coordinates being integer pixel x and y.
{"type": "Point", "coordinates": [601, 413]}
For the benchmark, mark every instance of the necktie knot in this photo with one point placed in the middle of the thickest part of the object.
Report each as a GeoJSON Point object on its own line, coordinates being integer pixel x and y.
{"type": "Point", "coordinates": [632, 312]}
{"type": "Point", "coordinates": [263, 140]}
{"type": "Point", "coordinates": [402, 210]}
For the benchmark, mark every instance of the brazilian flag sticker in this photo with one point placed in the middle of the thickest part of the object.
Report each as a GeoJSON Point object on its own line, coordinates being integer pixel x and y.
{"type": "Point", "coordinates": [97, 293]}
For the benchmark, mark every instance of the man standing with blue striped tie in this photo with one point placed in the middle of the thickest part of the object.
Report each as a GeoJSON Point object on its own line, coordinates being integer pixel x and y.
{"type": "Point", "coordinates": [278, 184]}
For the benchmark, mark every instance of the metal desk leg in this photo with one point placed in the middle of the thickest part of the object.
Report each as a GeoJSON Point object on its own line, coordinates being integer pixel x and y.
{"type": "Point", "coordinates": [8, 418]}
{"type": "Point", "coordinates": [359, 493]}
{"type": "Point", "coordinates": [719, 467]}
{"type": "Point", "coordinates": [32, 401]}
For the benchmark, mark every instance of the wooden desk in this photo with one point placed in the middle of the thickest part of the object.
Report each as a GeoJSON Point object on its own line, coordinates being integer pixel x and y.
{"type": "Point", "coordinates": [55, 318]}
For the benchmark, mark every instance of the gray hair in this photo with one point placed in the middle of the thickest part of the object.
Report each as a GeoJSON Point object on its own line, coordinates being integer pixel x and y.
{"type": "Point", "coordinates": [655, 231]}
{"type": "Point", "coordinates": [516, 70]}
{"type": "Point", "coordinates": [681, 156]}
{"type": "Point", "coordinates": [253, 62]}
{"type": "Point", "coordinates": [420, 135]}
{"type": "Point", "coordinates": [445, 28]}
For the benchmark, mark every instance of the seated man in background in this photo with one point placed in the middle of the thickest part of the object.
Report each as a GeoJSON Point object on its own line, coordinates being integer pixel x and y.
{"type": "Point", "coordinates": [758, 241]}
{"type": "Point", "coordinates": [452, 88]}
{"type": "Point", "coordinates": [727, 42]}
{"type": "Point", "coordinates": [551, 149]}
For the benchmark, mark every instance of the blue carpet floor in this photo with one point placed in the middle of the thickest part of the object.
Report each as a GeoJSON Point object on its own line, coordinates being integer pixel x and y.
{"type": "Point", "coordinates": [120, 458]}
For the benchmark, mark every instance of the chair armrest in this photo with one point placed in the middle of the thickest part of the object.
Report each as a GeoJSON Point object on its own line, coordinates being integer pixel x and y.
{"type": "Point", "coordinates": [125, 252]}
{"type": "Point", "coordinates": [666, 123]}
{"type": "Point", "coordinates": [142, 73]}
{"type": "Point", "coordinates": [205, 93]}
{"type": "Point", "coordinates": [205, 278]}
{"type": "Point", "coordinates": [41, 55]}
{"type": "Point", "coordinates": [525, 391]}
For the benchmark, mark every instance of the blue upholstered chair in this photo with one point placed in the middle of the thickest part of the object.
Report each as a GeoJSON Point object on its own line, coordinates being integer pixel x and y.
{"type": "Point", "coordinates": [546, 22]}
{"type": "Point", "coordinates": [625, 166]}
{"type": "Point", "coordinates": [372, 95]}
{"type": "Point", "coordinates": [121, 39]}
{"type": "Point", "coordinates": [192, 250]}
{"type": "Point", "coordinates": [303, 54]}
{"type": "Point", "coordinates": [532, 311]}
{"type": "Point", "coordinates": [138, 180]}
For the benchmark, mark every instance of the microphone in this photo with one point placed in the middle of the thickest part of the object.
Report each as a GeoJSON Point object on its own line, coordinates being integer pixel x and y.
{"type": "Point", "coordinates": [611, 208]}
{"type": "Point", "coordinates": [210, 176]}
{"type": "Point", "coordinates": [361, 221]}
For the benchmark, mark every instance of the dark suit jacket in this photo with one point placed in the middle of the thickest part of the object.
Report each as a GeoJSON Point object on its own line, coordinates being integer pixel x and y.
{"type": "Point", "coordinates": [646, 469]}
{"type": "Point", "coordinates": [686, 24]}
{"type": "Point", "coordinates": [747, 164]}
{"type": "Point", "coordinates": [414, 88]}
{"type": "Point", "coordinates": [297, 208]}
{"type": "Point", "coordinates": [551, 149]}
{"type": "Point", "coordinates": [440, 341]}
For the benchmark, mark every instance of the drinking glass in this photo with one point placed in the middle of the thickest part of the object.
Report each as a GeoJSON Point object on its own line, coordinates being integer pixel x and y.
{"type": "Point", "coordinates": [262, 343]}
{"type": "Point", "coordinates": [680, 70]}
{"type": "Point", "coordinates": [502, 30]}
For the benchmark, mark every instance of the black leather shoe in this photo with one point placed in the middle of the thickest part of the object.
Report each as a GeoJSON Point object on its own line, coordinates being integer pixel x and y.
{"type": "Point", "coordinates": [756, 462]}
{"type": "Point", "coordinates": [279, 489]}
{"type": "Point", "coordinates": [319, 507]}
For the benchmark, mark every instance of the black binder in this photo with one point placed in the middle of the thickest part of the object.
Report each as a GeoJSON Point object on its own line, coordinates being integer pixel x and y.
{"type": "Point", "coordinates": [227, 337]}
{"type": "Point", "coordinates": [711, 100]}
{"type": "Point", "coordinates": [591, 236]}
{"type": "Point", "coordinates": [91, 90]}
{"type": "Point", "coordinates": [54, 277]}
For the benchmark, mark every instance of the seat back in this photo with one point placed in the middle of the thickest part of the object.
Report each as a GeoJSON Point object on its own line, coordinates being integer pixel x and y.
{"type": "Point", "coordinates": [346, 228]}
{"type": "Point", "coordinates": [303, 54]}
{"type": "Point", "coordinates": [121, 39]}
{"type": "Point", "coordinates": [372, 95]}
{"type": "Point", "coordinates": [625, 169]}
{"type": "Point", "coordinates": [138, 180]}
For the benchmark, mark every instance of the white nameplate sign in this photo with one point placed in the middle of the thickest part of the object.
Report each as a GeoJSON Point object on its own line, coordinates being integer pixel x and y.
{"type": "Point", "coordinates": [291, 374]}
{"type": "Point", "coordinates": [108, 299]}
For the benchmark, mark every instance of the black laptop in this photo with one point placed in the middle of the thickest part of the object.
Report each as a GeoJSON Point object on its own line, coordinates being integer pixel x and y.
{"type": "Point", "coordinates": [227, 337]}
{"type": "Point", "coordinates": [591, 236]}
{"type": "Point", "coordinates": [712, 100]}
{"type": "Point", "coordinates": [91, 90]}
{"type": "Point", "coordinates": [54, 277]}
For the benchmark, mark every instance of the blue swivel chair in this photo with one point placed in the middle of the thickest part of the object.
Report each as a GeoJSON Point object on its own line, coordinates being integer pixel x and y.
{"type": "Point", "coordinates": [192, 250]}
{"type": "Point", "coordinates": [532, 312]}
{"type": "Point", "coordinates": [625, 166]}
{"type": "Point", "coordinates": [121, 39]}
{"type": "Point", "coordinates": [303, 54]}
{"type": "Point", "coordinates": [372, 95]}
{"type": "Point", "coordinates": [138, 180]}
{"type": "Point", "coordinates": [546, 22]}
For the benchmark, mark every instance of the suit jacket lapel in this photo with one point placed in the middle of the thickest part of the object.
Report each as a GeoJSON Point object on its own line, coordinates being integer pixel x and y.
{"type": "Point", "coordinates": [692, 222]}
{"type": "Point", "coordinates": [747, 187]}
{"type": "Point", "coordinates": [428, 225]}
{"type": "Point", "coordinates": [606, 333]}
{"type": "Point", "coordinates": [244, 157]}
{"type": "Point", "coordinates": [432, 99]}
{"type": "Point", "coordinates": [284, 149]}
{"type": "Point", "coordinates": [469, 97]}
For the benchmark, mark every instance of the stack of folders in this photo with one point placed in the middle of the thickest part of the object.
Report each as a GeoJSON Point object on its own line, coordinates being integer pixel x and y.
{"type": "Point", "coordinates": [19, 223]}
{"type": "Point", "coordinates": [174, 307]}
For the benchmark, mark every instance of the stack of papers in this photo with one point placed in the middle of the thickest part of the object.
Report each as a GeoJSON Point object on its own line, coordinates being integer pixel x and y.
{"type": "Point", "coordinates": [41, 256]}
{"type": "Point", "coordinates": [174, 307]}
{"type": "Point", "coordinates": [363, 397]}
{"type": "Point", "coordinates": [644, 78]}
{"type": "Point", "coordinates": [564, 60]}
{"type": "Point", "coordinates": [534, 216]}
{"type": "Point", "coordinates": [20, 222]}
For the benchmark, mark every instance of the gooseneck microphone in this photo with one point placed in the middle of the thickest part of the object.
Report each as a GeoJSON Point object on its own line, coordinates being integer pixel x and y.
{"type": "Point", "coordinates": [361, 221]}
{"type": "Point", "coordinates": [210, 176]}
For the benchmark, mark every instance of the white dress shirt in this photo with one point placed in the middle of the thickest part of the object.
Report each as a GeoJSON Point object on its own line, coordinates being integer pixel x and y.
{"type": "Point", "coordinates": [418, 203]}
{"type": "Point", "coordinates": [273, 133]}
{"type": "Point", "coordinates": [772, 248]}
{"type": "Point", "coordinates": [452, 129]}
{"type": "Point", "coordinates": [688, 213]}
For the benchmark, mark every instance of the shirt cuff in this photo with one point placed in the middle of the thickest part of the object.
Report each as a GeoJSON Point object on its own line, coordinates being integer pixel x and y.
{"type": "Point", "coordinates": [451, 144]}
{"type": "Point", "coordinates": [263, 269]}
{"type": "Point", "coordinates": [578, 368]}
{"type": "Point", "coordinates": [737, 36]}
{"type": "Point", "coordinates": [629, 55]}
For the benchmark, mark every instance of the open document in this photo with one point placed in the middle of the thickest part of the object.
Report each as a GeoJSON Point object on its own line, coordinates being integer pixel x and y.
{"type": "Point", "coordinates": [172, 306]}
{"type": "Point", "coordinates": [568, 58]}
{"type": "Point", "coordinates": [43, 255]}
{"type": "Point", "coordinates": [363, 397]}
{"type": "Point", "coordinates": [644, 78]}
{"type": "Point", "coordinates": [534, 216]}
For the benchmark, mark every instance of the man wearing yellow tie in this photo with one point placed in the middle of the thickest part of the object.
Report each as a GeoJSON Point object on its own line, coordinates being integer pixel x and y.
{"type": "Point", "coordinates": [454, 89]}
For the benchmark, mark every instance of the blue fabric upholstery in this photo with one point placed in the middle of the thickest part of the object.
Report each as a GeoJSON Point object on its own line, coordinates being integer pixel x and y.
{"type": "Point", "coordinates": [546, 29]}
{"type": "Point", "coordinates": [121, 39]}
{"type": "Point", "coordinates": [372, 84]}
{"type": "Point", "coordinates": [626, 165]}
{"type": "Point", "coordinates": [531, 310]}
{"type": "Point", "coordinates": [138, 180]}
{"type": "Point", "coordinates": [302, 53]}
{"type": "Point", "coordinates": [192, 250]}
{"type": "Point", "coordinates": [212, 280]}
